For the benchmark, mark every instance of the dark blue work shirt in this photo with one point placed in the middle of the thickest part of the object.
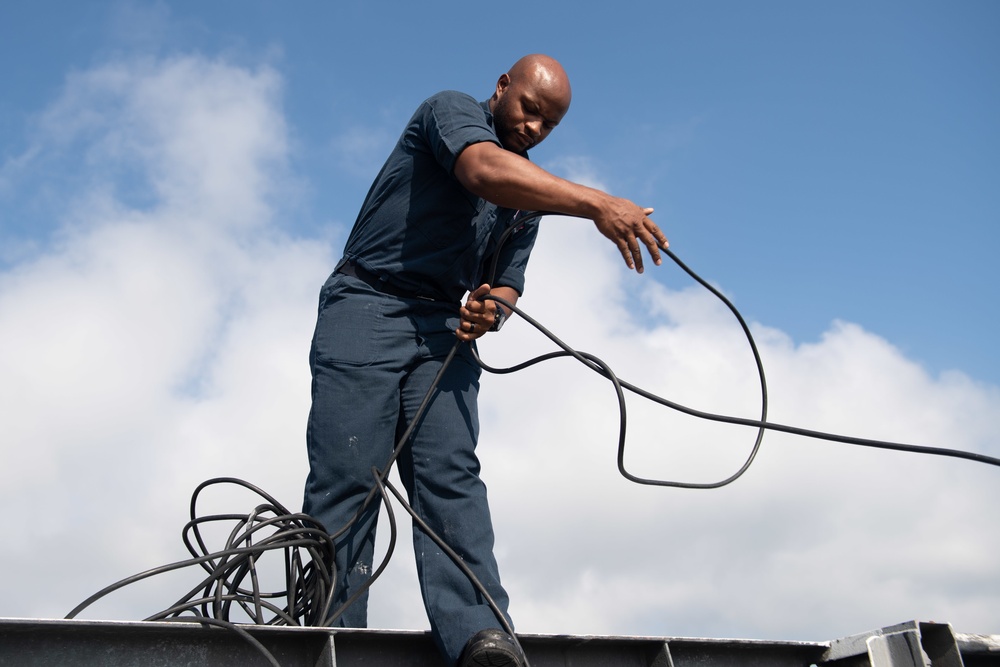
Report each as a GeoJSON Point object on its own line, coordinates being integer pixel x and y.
{"type": "Point", "coordinates": [419, 228]}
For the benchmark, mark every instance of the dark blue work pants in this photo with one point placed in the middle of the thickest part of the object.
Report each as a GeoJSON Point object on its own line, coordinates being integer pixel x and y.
{"type": "Point", "coordinates": [373, 358]}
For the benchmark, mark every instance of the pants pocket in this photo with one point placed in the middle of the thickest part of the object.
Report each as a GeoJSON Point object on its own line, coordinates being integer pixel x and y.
{"type": "Point", "coordinates": [346, 330]}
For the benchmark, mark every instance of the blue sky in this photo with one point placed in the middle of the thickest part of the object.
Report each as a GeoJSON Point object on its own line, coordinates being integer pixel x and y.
{"type": "Point", "coordinates": [177, 179]}
{"type": "Point", "coordinates": [819, 160]}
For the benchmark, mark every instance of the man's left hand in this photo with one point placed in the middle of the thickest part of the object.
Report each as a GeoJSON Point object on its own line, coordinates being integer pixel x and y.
{"type": "Point", "coordinates": [477, 315]}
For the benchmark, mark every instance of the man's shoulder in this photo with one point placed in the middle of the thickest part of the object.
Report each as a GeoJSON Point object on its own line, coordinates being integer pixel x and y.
{"type": "Point", "coordinates": [451, 98]}
{"type": "Point", "coordinates": [452, 111]}
{"type": "Point", "coordinates": [453, 95]}
{"type": "Point", "coordinates": [446, 123]}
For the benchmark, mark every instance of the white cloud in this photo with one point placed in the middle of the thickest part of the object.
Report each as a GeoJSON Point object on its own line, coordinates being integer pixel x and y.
{"type": "Point", "coordinates": [153, 347]}
{"type": "Point", "coordinates": [162, 340]}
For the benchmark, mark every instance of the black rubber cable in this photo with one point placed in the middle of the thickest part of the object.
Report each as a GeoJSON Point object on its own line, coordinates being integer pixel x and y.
{"type": "Point", "coordinates": [310, 584]}
{"type": "Point", "coordinates": [761, 424]}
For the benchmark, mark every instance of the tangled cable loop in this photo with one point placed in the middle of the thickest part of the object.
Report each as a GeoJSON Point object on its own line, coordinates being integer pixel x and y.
{"type": "Point", "coordinates": [234, 571]}
{"type": "Point", "coordinates": [234, 574]}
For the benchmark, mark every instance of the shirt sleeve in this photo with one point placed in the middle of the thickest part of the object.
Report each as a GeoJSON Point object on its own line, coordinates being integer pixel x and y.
{"type": "Point", "coordinates": [454, 121]}
{"type": "Point", "coordinates": [512, 261]}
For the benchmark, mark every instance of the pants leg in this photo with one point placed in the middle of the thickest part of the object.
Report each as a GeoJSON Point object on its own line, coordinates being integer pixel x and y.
{"type": "Point", "coordinates": [373, 359]}
{"type": "Point", "coordinates": [441, 472]}
{"type": "Point", "coordinates": [356, 366]}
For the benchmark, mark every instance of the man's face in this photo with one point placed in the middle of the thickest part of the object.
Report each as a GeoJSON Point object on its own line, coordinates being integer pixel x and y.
{"type": "Point", "coordinates": [526, 112]}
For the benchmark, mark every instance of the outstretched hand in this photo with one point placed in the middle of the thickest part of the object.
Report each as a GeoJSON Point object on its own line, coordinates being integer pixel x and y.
{"type": "Point", "coordinates": [627, 226]}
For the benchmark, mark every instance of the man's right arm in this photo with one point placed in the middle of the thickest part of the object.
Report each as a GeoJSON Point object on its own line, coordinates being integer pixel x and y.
{"type": "Point", "coordinates": [509, 180]}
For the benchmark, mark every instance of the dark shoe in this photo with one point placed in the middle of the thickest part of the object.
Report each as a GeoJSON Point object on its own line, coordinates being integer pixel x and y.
{"type": "Point", "coordinates": [491, 648]}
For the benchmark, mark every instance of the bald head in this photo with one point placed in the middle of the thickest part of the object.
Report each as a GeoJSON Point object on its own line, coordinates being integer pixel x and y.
{"type": "Point", "coordinates": [543, 72]}
{"type": "Point", "coordinates": [529, 101]}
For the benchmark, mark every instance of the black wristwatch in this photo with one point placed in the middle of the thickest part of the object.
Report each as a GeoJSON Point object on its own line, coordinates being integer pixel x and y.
{"type": "Point", "coordinates": [498, 319]}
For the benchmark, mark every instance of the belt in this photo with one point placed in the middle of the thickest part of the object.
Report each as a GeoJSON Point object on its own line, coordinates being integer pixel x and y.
{"type": "Point", "coordinates": [376, 282]}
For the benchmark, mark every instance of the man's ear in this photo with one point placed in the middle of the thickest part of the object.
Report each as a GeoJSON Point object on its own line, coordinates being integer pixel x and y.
{"type": "Point", "coordinates": [502, 84]}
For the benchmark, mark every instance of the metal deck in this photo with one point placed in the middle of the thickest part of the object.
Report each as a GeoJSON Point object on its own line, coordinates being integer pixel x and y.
{"type": "Point", "coordinates": [29, 642]}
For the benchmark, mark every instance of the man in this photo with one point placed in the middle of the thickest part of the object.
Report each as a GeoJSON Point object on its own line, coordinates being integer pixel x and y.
{"type": "Point", "coordinates": [389, 315]}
